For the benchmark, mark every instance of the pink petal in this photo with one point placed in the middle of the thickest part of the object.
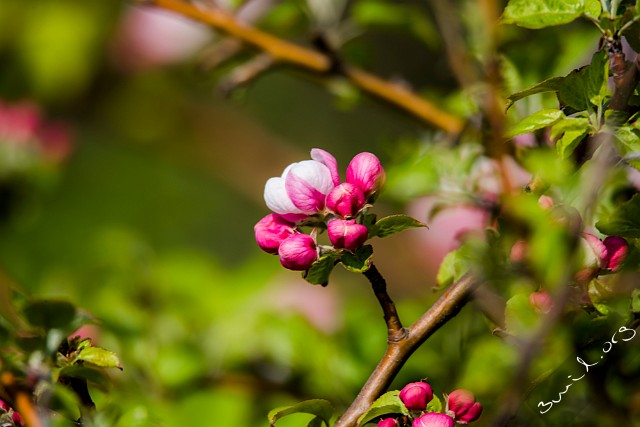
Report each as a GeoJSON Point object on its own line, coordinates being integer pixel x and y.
{"type": "Point", "coordinates": [276, 198]}
{"type": "Point", "coordinates": [329, 161]}
{"type": "Point", "coordinates": [307, 184]}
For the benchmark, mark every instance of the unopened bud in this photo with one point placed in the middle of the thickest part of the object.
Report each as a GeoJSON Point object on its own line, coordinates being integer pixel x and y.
{"type": "Point", "coordinates": [345, 233]}
{"type": "Point", "coordinates": [298, 252]}
{"type": "Point", "coordinates": [366, 172]}
{"type": "Point", "coordinates": [346, 200]}
{"type": "Point", "coordinates": [541, 301]}
{"type": "Point", "coordinates": [616, 252]}
{"type": "Point", "coordinates": [270, 231]}
{"type": "Point", "coordinates": [387, 422]}
{"type": "Point", "coordinates": [433, 419]}
{"type": "Point", "coordinates": [462, 406]}
{"type": "Point", "coordinates": [416, 396]}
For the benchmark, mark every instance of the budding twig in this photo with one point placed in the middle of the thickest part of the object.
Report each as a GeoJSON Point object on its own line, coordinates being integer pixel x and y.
{"type": "Point", "coordinates": [397, 353]}
{"type": "Point", "coordinates": [290, 53]}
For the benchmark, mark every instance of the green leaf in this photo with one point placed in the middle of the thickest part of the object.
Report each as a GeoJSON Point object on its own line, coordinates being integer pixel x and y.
{"type": "Point", "coordinates": [624, 221]}
{"type": "Point", "coordinates": [388, 403]}
{"type": "Point", "coordinates": [635, 301]}
{"type": "Point", "coordinates": [454, 265]}
{"type": "Point", "coordinates": [542, 13]}
{"type": "Point", "coordinates": [628, 143]}
{"type": "Point", "coordinates": [319, 407]}
{"type": "Point", "coordinates": [550, 85]}
{"type": "Point", "coordinates": [570, 132]}
{"type": "Point", "coordinates": [435, 405]}
{"type": "Point", "coordinates": [320, 270]}
{"type": "Point", "coordinates": [592, 8]}
{"type": "Point", "coordinates": [538, 120]}
{"type": "Point", "coordinates": [100, 357]}
{"type": "Point", "coordinates": [49, 314]}
{"type": "Point", "coordinates": [359, 261]}
{"type": "Point", "coordinates": [520, 317]}
{"type": "Point", "coordinates": [586, 85]}
{"type": "Point", "coordinates": [393, 224]}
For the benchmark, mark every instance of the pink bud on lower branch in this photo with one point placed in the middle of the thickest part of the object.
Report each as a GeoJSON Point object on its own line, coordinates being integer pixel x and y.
{"type": "Point", "coordinates": [387, 422]}
{"type": "Point", "coordinates": [345, 233]}
{"type": "Point", "coordinates": [616, 252]}
{"type": "Point", "coordinates": [462, 405]}
{"type": "Point", "coordinates": [433, 419]}
{"type": "Point", "coordinates": [298, 252]}
{"type": "Point", "coordinates": [416, 396]}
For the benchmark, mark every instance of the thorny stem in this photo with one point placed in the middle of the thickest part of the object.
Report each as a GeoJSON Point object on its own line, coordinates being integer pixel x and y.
{"type": "Point", "coordinates": [285, 52]}
{"type": "Point", "coordinates": [397, 353]}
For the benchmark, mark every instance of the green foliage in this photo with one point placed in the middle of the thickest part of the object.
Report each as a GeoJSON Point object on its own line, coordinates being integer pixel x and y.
{"type": "Point", "coordinates": [393, 224]}
{"type": "Point", "coordinates": [546, 13]}
{"type": "Point", "coordinates": [322, 410]}
{"type": "Point", "coordinates": [624, 221]}
{"type": "Point", "coordinates": [387, 404]}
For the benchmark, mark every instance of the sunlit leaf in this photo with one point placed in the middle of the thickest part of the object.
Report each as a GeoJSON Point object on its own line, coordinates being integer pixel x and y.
{"type": "Point", "coordinates": [537, 120]}
{"type": "Point", "coordinates": [100, 357]}
{"type": "Point", "coordinates": [387, 404]}
{"type": "Point", "coordinates": [569, 132]}
{"type": "Point", "coordinates": [542, 13]}
{"type": "Point", "coordinates": [393, 224]}
{"type": "Point", "coordinates": [319, 407]}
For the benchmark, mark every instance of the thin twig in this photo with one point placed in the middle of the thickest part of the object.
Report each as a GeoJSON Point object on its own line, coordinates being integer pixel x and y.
{"type": "Point", "coordinates": [397, 353]}
{"type": "Point", "coordinates": [290, 53]}
{"type": "Point", "coordinates": [396, 332]}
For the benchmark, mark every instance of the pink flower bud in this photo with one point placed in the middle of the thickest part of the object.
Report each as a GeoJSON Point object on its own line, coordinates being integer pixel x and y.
{"type": "Point", "coordinates": [346, 200]}
{"type": "Point", "coordinates": [366, 172]}
{"type": "Point", "coordinates": [416, 396]}
{"type": "Point", "coordinates": [345, 233]}
{"type": "Point", "coordinates": [596, 256]}
{"type": "Point", "coordinates": [471, 415]}
{"type": "Point", "coordinates": [4, 406]}
{"type": "Point", "coordinates": [329, 161]}
{"type": "Point", "coordinates": [541, 301]}
{"type": "Point", "coordinates": [17, 419]}
{"type": "Point", "coordinates": [433, 419]}
{"type": "Point", "coordinates": [298, 252]}
{"type": "Point", "coordinates": [270, 231]}
{"type": "Point", "coordinates": [616, 248]}
{"type": "Point", "coordinates": [462, 406]}
{"type": "Point", "coordinates": [387, 422]}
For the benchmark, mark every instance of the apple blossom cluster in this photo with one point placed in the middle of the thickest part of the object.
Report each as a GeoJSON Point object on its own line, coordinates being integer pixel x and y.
{"type": "Point", "coordinates": [310, 193]}
{"type": "Point", "coordinates": [9, 417]}
{"type": "Point", "coordinates": [461, 407]}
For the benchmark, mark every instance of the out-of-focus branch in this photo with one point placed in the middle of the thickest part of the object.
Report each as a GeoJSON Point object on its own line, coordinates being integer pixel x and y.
{"type": "Point", "coordinates": [397, 353]}
{"type": "Point", "coordinates": [285, 52]}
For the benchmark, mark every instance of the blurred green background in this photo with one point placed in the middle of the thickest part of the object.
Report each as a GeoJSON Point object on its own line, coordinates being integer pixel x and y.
{"type": "Point", "coordinates": [147, 221]}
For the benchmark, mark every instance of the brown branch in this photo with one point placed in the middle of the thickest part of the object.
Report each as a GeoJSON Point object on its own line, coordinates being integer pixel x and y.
{"type": "Point", "coordinates": [397, 353]}
{"type": "Point", "coordinates": [290, 53]}
{"type": "Point", "coordinates": [396, 332]}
